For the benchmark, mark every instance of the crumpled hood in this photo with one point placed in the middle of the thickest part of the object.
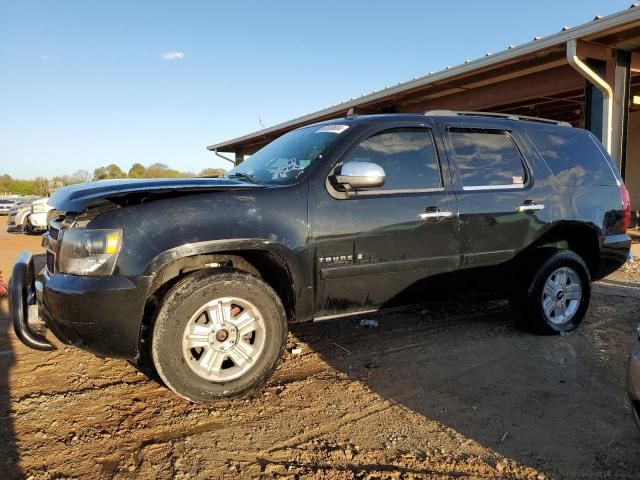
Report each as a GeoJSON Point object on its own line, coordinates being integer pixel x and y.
{"type": "Point", "coordinates": [77, 198]}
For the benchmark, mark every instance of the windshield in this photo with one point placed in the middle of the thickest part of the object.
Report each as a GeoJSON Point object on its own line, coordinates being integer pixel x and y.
{"type": "Point", "coordinates": [286, 158]}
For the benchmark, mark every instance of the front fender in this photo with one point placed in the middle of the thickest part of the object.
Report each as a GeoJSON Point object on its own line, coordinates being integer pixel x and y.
{"type": "Point", "coordinates": [294, 262]}
{"type": "Point", "coordinates": [226, 246]}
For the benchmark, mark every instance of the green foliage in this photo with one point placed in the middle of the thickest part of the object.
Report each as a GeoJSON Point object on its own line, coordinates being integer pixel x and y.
{"type": "Point", "coordinates": [137, 170]}
{"type": "Point", "coordinates": [160, 170]}
{"type": "Point", "coordinates": [212, 172]}
{"type": "Point", "coordinates": [115, 171]}
{"type": "Point", "coordinates": [109, 172]}
{"type": "Point", "coordinates": [100, 173]}
{"type": "Point", "coordinates": [22, 187]}
{"type": "Point", "coordinates": [5, 181]}
{"type": "Point", "coordinates": [43, 187]}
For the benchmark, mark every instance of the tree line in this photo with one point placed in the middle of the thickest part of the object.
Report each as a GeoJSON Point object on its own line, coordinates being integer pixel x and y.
{"type": "Point", "coordinates": [42, 186]}
{"type": "Point", "coordinates": [155, 170]}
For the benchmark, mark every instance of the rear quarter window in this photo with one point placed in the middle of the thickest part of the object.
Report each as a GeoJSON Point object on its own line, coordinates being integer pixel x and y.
{"type": "Point", "coordinates": [573, 157]}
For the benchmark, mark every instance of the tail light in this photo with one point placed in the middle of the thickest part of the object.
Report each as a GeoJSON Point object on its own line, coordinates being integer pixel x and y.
{"type": "Point", "coordinates": [626, 208]}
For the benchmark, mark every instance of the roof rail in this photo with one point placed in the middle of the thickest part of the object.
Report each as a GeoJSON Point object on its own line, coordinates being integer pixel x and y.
{"type": "Point", "coordinates": [510, 116]}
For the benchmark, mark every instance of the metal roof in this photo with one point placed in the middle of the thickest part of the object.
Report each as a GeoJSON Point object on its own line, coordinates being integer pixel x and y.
{"type": "Point", "coordinates": [596, 26]}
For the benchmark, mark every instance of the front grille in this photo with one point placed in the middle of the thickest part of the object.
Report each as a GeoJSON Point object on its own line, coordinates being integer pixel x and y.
{"type": "Point", "coordinates": [54, 230]}
{"type": "Point", "coordinates": [51, 262]}
{"type": "Point", "coordinates": [51, 242]}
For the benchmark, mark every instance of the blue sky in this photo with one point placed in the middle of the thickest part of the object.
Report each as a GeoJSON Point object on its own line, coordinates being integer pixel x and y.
{"type": "Point", "coordinates": [87, 83]}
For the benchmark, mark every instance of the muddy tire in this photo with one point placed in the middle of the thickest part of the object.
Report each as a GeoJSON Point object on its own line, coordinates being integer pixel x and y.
{"type": "Point", "coordinates": [554, 294]}
{"type": "Point", "coordinates": [218, 335]}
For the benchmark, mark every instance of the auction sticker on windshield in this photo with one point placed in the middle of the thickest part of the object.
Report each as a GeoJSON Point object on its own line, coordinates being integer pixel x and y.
{"type": "Point", "coordinates": [332, 129]}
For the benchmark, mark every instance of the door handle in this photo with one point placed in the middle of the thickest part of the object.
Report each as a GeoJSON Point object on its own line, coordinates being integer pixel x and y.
{"type": "Point", "coordinates": [530, 206]}
{"type": "Point", "coordinates": [433, 212]}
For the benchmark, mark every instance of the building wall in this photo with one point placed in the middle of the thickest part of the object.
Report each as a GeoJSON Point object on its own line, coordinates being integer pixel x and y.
{"type": "Point", "coordinates": [632, 173]}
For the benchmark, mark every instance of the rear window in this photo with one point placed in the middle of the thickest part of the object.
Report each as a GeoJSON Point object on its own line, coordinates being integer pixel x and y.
{"type": "Point", "coordinates": [574, 158]}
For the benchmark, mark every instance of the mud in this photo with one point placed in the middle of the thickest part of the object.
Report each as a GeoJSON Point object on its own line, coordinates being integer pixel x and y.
{"type": "Point", "coordinates": [451, 391]}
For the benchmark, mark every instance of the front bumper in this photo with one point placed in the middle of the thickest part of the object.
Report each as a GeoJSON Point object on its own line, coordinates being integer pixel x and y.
{"type": "Point", "coordinates": [12, 226]}
{"type": "Point", "coordinates": [633, 381]}
{"type": "Point", "coordinates": [100, 314]}
{"type": "Point", "coordinates": [14, 222]}
{"type": "Point", "coordinates": [24, 306]}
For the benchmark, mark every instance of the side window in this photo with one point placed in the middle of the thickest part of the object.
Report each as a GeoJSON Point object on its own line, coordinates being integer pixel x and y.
{"type": "Point", "coordinates": [573, 157]}
{"type": "Point", "coordinates": [407, 155]}
{"type": "Point", "coordinates": [486, 159]}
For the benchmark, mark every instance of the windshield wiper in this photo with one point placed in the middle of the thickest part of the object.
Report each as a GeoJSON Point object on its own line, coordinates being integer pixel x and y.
{"type": "Point", "coordinates": [244, 176]}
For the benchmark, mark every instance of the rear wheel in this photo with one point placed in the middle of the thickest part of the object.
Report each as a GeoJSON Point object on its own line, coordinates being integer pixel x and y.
{"type": "Point", "coordinates": [218, 335]}
{"type": "Point", "coordinates": [554, 297]}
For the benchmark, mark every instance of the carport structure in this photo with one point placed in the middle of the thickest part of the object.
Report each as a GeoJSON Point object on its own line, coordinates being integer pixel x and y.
{"type": "Point", "coordinates": [587, 75]}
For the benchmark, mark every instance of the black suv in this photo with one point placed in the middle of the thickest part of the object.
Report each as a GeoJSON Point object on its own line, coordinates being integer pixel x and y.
{"type": "Point", "coordinates": [200, 277]}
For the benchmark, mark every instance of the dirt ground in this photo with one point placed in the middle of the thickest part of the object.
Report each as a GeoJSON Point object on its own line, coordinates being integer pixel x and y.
{"type": "Point", "coordinates": [446, 392]}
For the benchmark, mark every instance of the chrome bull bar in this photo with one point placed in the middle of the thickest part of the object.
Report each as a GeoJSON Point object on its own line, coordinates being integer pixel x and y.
{"type": "Point", "coordinates": [24, 306]}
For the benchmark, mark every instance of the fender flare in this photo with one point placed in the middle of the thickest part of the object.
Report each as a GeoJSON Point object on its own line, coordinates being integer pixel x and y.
{"type": "Point", "coordinates": [286, 255]}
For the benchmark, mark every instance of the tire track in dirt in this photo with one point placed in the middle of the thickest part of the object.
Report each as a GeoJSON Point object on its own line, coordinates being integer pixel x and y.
{"type": "Point", "coordinates": [49, 396]}
{"type": "Point", "coordinates": [378, 407]}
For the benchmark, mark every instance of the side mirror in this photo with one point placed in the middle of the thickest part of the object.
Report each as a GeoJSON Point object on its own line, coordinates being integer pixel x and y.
{"type": "Point", "coordinates": [355, 175]}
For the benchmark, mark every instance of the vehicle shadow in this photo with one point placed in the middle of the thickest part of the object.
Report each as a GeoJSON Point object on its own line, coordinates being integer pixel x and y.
{"type": "Point", "coordinates": [9, 453]}
{"type": "Point", "coordinates": [555, 403]}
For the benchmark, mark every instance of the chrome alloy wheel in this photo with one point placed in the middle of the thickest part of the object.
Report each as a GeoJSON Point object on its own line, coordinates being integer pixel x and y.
{"type": "Point", "coordinates": [224, 339]}
{"type": "Point", "coordinates": [561, 295]}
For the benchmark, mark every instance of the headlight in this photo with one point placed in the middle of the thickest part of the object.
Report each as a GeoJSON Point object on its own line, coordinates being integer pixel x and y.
{"type": "Point", "coordinates": [38, 208]}
{"type": "Point", "coordinates": [89, 252]}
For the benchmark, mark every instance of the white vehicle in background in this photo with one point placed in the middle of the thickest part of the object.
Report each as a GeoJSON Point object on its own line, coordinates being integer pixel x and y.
{"type": "Point", "coordinates": [18, 219]}
{"type": "Point", "coordinates": [6, 204]}
{"type": "Point", "coordinates": [37, 220]}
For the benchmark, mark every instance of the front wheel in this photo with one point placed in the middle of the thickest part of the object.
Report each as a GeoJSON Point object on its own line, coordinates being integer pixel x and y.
{"type": "Point", "coordinates": [218, 335]}
{"type": "Point", "coordinates": [556, 296]}
{"type": "Point", "coordinates": [26, 226]}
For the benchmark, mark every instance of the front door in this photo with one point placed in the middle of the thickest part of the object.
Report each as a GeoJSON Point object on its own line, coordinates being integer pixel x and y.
{"type": "Point", "coordinates": [403, 233]}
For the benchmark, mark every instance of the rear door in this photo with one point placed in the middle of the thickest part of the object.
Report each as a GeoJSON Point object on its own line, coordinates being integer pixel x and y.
{"type": "Point", "coordinates": [502, 194]}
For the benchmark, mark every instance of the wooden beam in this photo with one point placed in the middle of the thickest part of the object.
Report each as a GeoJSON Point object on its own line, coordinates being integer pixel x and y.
{"type": "Point", "coordinates": [547, 112]}
{"type": "Point", "coordinates": [541, 84]}
{"type": "Point", "coordinates": [547, 65]}
{"type": "Point", "coordinates": [619, 37]}
{"type": "Point", "coordinates": [593, 50]}
{"type": "Point", "coordinates": [570, 98]}
{"type": "Point", "coordinates": [635, 62]}
{"type": "Point", "coordinates": [484, 78]}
